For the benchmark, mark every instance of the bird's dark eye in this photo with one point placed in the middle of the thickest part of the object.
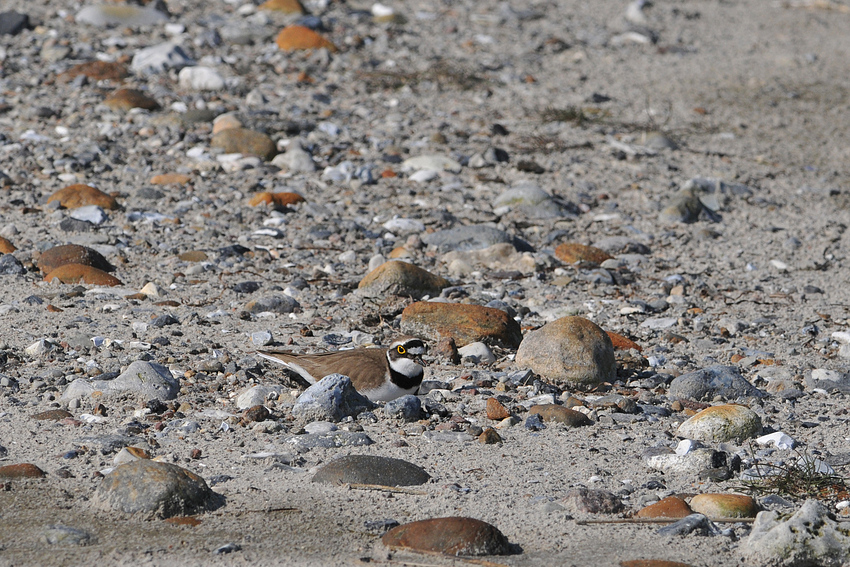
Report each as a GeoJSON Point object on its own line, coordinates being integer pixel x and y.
{"type": "Point", "coordinates": [400, 349]}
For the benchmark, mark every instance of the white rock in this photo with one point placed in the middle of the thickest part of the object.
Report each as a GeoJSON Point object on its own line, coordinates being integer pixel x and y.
{"type": "Point", "coordinates": [347, 257]}
{"type": "Point", "coordinates": [431, 162]}
{"type": "Point", "coordinates": [120, 15]}
{"type": "Point", "coordinates": [478, 352]}
{"type": "Point", "coordinates": [376, 261]}
{"type": "Point", "coordinates": [779, 265]}
{"type": "Point", "coordinates": [842, 337]}
{"type": "Point", "coordinates": [200, 79]}
{"type": "Point", "coordinates": [657, 323]}
{"type": "Point", "coordinates": [89, 213]}
{"type": "Point", "coordinates": [398, 224]}
{"type": "Point", "coordinates": [160, 58]}
{"type": "Point", "coordinates": [295, 159]}
{"type": "Point", "coordinates": [261, 338]}
{"type": "Point", "coordinates": [150, 289]}
{"type": "Point", "coordinates": [381, 11]}
{"type": "Point", "coordinates": [690, 463]}
{"type": "Point", "coordinates": [686, 446]}
{"type": "Point", "coordinates": [424, 175]}
{"type": "Point", "coordinates": [778, 439]}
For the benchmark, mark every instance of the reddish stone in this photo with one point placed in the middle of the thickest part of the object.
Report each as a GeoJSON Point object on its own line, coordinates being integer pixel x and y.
{"type": "Point", "coordinates": [450, 536]}
{"type": "Point", "coordinates": [463, 322]}
{"type": "Point", "coordinates": [572, 252]}
{"type": "Point", "coordinates": [22, 470]}
{"type": "Point", "coordinates": [81, 195]}
{"type": "Point", "coordinates": [72, 254]}
{"type": "Point", "coordinates": [285, 6]}
{"type": "Point", "coordinates": [276, 199]}
{"type": "Point", "coordinates": [169, 178]}
{"type": "Point", "coordinates": [401, 278]}
{"type": "Point", "coordinates": [496, 411]}
{"type": "Point", "coordinates": [670, 507]}
{"type": "Point", "coordinates": [52, 415]}
{"type": "Point", "coordinates": [296, 38]}
{"type": "Point", "coordinates": [6, 247]}
{"type": "Point", "coordinates": [489, 437]}
{"type": "Point", "coordinates": [127, 99]}
{"type": "Point", "coordinates": [96, 71]}
{"type": "Point", "coordinates": [76, 273]}
{"type": "Point", "coordinates": [622, 343]}
{"type": "Point", "coordinates": [725, 505]}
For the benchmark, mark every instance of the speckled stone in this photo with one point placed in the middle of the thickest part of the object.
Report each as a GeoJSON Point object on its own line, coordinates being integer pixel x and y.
{"type": "Point", "coordinates": [155, 489]}
{"type": "Point", "coordinates": [571, 350]}
{"type": "Point", "coordinates": [462, 322]}
{"type": "Point", "coordinates": [449, 536]}
{"type": "Point", "coordinates": [400, 278]}
{"type": "Point", "coordinates": [725, 505]}
{"type": "Point", "coordinates": [371, 469]}
{"type": "Point", "coordinates": [495, 410]}
{"type": "Point", "coordinates": [572, 252]}
{"type": "Point", "coordinates": [728, 422]}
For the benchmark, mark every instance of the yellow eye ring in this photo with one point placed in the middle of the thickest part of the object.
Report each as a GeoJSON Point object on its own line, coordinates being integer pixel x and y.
{"type": "Point", "coordinates": [400, 349]}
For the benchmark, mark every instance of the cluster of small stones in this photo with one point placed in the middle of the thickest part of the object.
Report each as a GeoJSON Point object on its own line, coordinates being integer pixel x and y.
{"type": "Point", "coordinates": [177, 213]}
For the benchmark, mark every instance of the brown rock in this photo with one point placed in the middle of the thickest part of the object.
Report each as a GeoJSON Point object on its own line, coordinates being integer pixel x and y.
{"type": "Point", "coordinates": [560, 414]}
{"type": "Point", "coordinates": [127, 99]}
{"type": "Point", "coordinates": [295, 38]}
{"type": "Point", "coordinates": [224, 121]}
{"type": "Point", "coordinates": [77, 273]}
{"type": "Point", "coordinates": [400, 252]}
{"type": "Point", "coordinates": [22, 470]}
{"type": "Point", "coordinates": [592, 501]}
{"type": "Point", "coordinates": [400, 278]}
{"type": "Point", "coordinates": [169, 178]}
{"type": "Point", "coordinates": [570, 350]}
{"type": "Point", "coordinates": [489, 437]}
{"type": "Point", "coordinates": [96, 71]}
{"type": "Point", "coordinates": [52, 415]}
{"type": "Point", "coordinates": [462, 322]}
{"type": "Point", "coordinates": [285, 6]}
{"type": "Point", "coordinates": [725, 505]}
{"type": "Point", "coordinates": [72, 254]}
{"type": "Point", "coordinates": [80, 195]}
{"type": "Point", "coordinates": [622, 343]}
{"type": "Point", "coordinates": [245, 141]}
{"type": "Point", "coordinates": [572, 252]}
{"type": "Point", "coordinates": [446, 348]}
{"type": "Point", "coordinates": [255, 413]}
{"type": "Point", "coordinates": [652, 563]}
{"type": "Point", "coordinates": [275, 199]}
{"type": "Point", "coordinates": [450, 536]}
{"type": "Point", "coordinates": [496, 411]}
{"type": "Point", "coordinates": [193, 256]}
{"type": "Point", "coordinates": [670, 507]}
{"type": "Point", "coordinates": [6, 247]}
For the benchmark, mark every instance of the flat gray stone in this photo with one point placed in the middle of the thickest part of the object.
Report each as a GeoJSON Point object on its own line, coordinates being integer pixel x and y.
{"type": "Point", "coordinates": [273, 303]}
{"type": "Point", "coordinates": [332, 440]}
{"type": "Point", "coordinates": [371, 469]}
{"type": "Point", "coordinates": [65, 535]}
{"type": "Point", "coordinates": [147, 379]}
{"type": "Point", "coordinates": [473, 237]}
{"type": "Point", "coordinates": [330, 399]}
{"type": "Point", "coordinates": [160, 58]}
{"type": "Point", "coordinates": [408, 408]}
{"type": "Point", "coordinates": [125, 15]}
{"type": "Point", "coordinates": [707, 383]}
{"type": "Point", "coordinates": [155, 490]}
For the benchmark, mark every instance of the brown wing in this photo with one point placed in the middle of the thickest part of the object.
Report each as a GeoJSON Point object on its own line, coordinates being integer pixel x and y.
{"type": "Point", "coordinates": [366, 366]}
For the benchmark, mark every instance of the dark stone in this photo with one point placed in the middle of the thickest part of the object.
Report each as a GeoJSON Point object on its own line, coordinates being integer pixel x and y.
{"type": "Point", "coordinates": [11, 266]}
{"type": "Point", "coordinates": [369, 469]}
{"type": "Point", "coordinates": [534, 422]}
{"type": "Point", "coordinates": [473, 237]}
{"type": "Point", "coordinates": [164, 320]}
{"type": "Point", "coordinates": [246, 287]}
{"type": "Point", "coordinates": [156, 489]}
{"type": "Point", "coordinates": [449, 536]}
{"type": "Point", "coordinates": [75, 225]}
{"type": "Point", "coordinates": [408, 408]}
{"type": "Point", "coordinates": [13, 23]}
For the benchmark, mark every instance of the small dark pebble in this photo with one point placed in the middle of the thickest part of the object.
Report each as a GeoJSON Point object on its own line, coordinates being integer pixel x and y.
{"type": "Point", "coordinates": [379, 527]}
{"type": "Point", "coordinates": [227, 548]}
{"type": "Point", "coordinates": [534, 422]}
{"type": "Point", "coordinates": [196, 454]}
{"type": "Point", "coordinates": [218, 479]}
{"type": "Point", "coordinates": [164, 320]}
{"type": "Point", "coordinates": [246, 287]}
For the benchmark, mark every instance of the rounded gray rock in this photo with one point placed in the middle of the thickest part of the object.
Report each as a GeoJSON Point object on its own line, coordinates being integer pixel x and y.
{"type": "Point", "coordinates": [330, 399]}
{"type": "Point", "coordinates": [707, 383]}
{"type": "Point", "coordinates": [371, 469]}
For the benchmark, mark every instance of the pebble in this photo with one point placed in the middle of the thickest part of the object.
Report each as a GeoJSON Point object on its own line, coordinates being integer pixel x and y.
{"type": "Point", "coordinates": [472, 237]}
{"type": "Point", "coordinates": [159, 59]}
{"type": "Point", "coordinates": [147, 379]}
{"type": "Point", "coordinates": [298, 38]}
{"type": "Point", "coordinates": [96, 71]}
{"type": "Point", "coordinates": [431, 163]}
{"type": "Point", "coordinates": [90, 213]}
{"type": "Point", "coordinates": [725, 505]}
{"type": "Point", "coordinates": [592, 501]}
{"type": "Point", "coordinates": [128, 99]}
{"type": "Point", "coordinates": [477, 353]}
{"type": "Point", "coordinates": [155, 490]}
{"type": "Point", "coordinates": [125, 15]}
{"type": "Point", "coordinates": [79, 273]}
{"type": "Point", "coordinates": [282, 304]}
{"type": "Point", "coordinates": [52, 415]}
{"type": "Point", "coordinates": [244, 141]}
{"type": "Point", "coordinates": [284, 6]}
{"type": "Point", "coordinates": [462, 322]}
{"type": "Point", "coordinates": [13, 23]}
{"type": "Point", "coordinates": [489, 437]}
{"type": "Point", "coordinates": [496, 410]}
{"type": "Point", "coordinates": [11, 266]}
{"type": "Point", "coordinates": [81, 195]}
{"type": "Point", "coordinates": [22, 470]}
{"type": "Point", "coordinates": [406, 408]}
{"type": "Point", "coordinates": [722, 423]}
{"type": "Point", "coordinates": [6, 247]}
{"type": "Point", "coordinates": [65, 535]}
{"type": "Point", "coordinates": [371, 469]}
{"type": "Point", "coordinates": [200, 79]}
{"type": "Point", "coordinates": [669, 507]}
{"type": "Point", "coordinates": [708, 383]}
{"type": "Point", "coordinates": [499, 257]}
{"type": "Point", "coordinates": [689, 464]}
{"type": "Point", "coordinates": [560, 414]}
{"type": "Point", "coordinates": [689, 524]}
{"type": "Point", "coordinates": [571, 350]}
{"type": "Point", "coordinates": [72, 254]}
{"type": "Point", "coordinates": [400, 278]}
{"type": "Point", "coordinates": [809, 536]}
{"type": "Point", "coordinates": [572, 252]}
{"type": "Point", "coordinates": [330, 399]}
{"type": "Point", "coordinates": [448, 536]}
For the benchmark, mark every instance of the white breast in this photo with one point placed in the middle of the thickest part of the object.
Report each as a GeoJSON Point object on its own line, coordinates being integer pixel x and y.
{"type": "Point", "coordinates": [388, 392]}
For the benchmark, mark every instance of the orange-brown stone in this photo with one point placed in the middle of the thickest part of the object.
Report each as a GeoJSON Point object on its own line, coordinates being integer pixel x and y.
{"type": "Point", "coordinates": [449, 536]}
{"type": "Point", "coordinates": [96, 71]}
{"type": "Point", "coordinates": [401, 278]}
{"type": "Point", "coordinates": [296, 38]}
{"type": "Point", "coordinates": [670, 507]}
{"type": "Point", "coordinates": [282, 199]}
{"type": "Point", "coordinates": [725, 505]}
{"type": "Point", "coordinates": [81, 195]}
{"type": "Point", "coordinates": [463, 322]}
{"type": "Point", "coordinates": [285, 6]}
{"type": "Point", "coordinates": [6, 247]}
{"type": "Point", "coordinates": [496, 411]}
{"type": "Point", "coordinates": [622, 343]}
{"type": "Point", "coordinates": [22, 470]}
{"type": "Point", "coordinates": [572, 252]}
{"type": "Point", "coordinates": [193, 256]}
{"type": "Point", "coordinates": [52, 415]}
{"type": "Point", "coordinates": [78, 273]}
{"type": "Point", "coordinates": [57, 256]}
{"type": "Point", "coordinates": [127, 99]}
{"type": "Point", "coordinates": [169, 178]}
{"type": "Point", "coordinates": [244, 141]}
